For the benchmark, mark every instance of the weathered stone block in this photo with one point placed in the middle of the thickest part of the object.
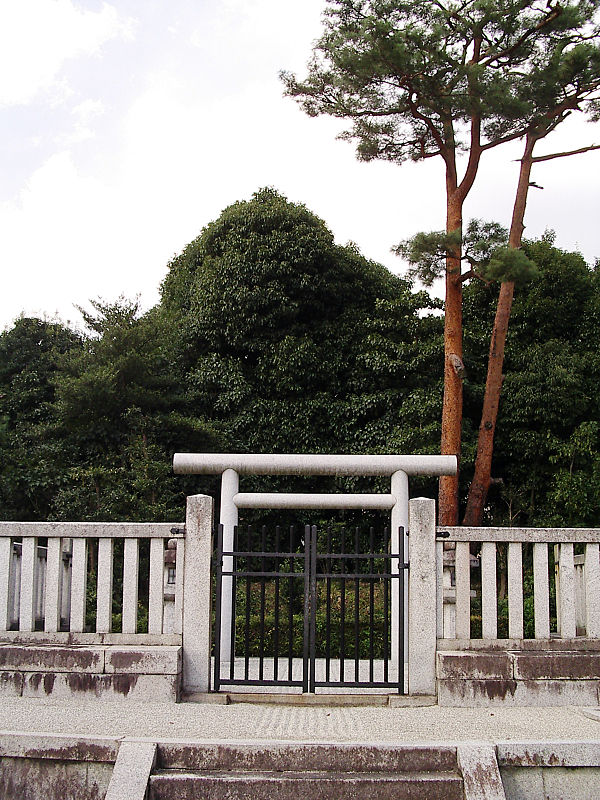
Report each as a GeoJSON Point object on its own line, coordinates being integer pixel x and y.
{"type": "Point", "coordinates": [11, 684]}
{"type": "Point", "coordinates": [522, 783]}
{"type": "Point", "coordinates": [149, 688]}
{"type": "Point", "coordinates": [552, 783]}
{"type": "Point", "coordinates": [556, 666]}
{"type": "Point", "coordinates": [44, 779]}
{"type": "Point", "coordinates": [143, 660]}
{"type": "Point", "coordinates": [48, 658]}
{"type": "Point", "coordinates": [558, 753]}
{"type": "Point", "coordinates": [311, 786]}
{"type": "Point", "coordinates": [59, 747]}
{"type": "Point", "coordinates": [476, 693]}
{"type": "Point", "coordinates": [511, 693]}
{"type": "Point", "coordinates": [132, 770]}
{"type": "Point", "coordinates": [304, 757]}
{"type": "Point", "coordinates": [479, 767]}
{"type": "Point", "coordinates": [473, 665]}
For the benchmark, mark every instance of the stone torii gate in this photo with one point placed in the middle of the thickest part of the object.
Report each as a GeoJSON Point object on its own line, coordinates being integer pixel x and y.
{"type": "Point", "coordinates": [232, 465]}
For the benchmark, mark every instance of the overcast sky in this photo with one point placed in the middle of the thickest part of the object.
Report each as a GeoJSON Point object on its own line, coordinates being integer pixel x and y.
{"type": "Point", "coordinates": [129, 125]}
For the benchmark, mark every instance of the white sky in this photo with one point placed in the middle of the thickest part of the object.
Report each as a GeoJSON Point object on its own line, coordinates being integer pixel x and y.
{"type": "Point", "coordinates": [129, 125]}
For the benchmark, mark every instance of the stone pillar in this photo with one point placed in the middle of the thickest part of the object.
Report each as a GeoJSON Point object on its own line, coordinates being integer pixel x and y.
{"type": "Point", "coordinates": [399, 518]}
{"type": "Point", "coordinates": [230, 485]}
{"type": "Point", "coordinates": [422, 596]}
{"type": "Point", "coordinates": [197, 594]}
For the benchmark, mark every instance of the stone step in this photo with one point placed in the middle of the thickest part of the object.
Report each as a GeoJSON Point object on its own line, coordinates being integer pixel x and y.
{"type": "Point", "coordinates": [306, 757]}
{"type": "Point", "coordinates": [315, 785]}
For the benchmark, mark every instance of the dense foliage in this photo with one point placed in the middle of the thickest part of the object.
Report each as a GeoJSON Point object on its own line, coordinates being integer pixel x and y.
{"type": "Point", "coordinates": [547, 452]}
{"type": "Point", "coordinates": [270, 337]}
{"type": "Point", "coordinates": [295, 344]}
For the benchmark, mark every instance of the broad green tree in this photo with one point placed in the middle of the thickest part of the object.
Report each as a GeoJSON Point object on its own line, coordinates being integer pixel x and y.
{"type": "Point", "coordinates": [120, 410]}
{"type": "Point", "coordinates": [429, 78]}
{"type": "Point", "coordinates": [30, 356]}
{"type": "Point", "coordinates": [295, 344]}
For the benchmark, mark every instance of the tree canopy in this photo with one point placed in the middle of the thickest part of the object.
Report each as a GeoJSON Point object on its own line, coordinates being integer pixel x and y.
{"type": "Point", "coordinates": [423, 79]}
{"type": "Point", "coordinates": [295, 343]}
{"type": "Point", "coordinates": [327, 352]}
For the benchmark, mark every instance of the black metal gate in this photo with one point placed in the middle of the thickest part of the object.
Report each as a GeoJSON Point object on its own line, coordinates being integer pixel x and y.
{"type": "Point", "coordinates": [309, 609]}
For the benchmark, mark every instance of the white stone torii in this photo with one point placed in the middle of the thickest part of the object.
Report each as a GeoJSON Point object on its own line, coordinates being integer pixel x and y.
{"type": "Point", "coordinates": [231, 465]}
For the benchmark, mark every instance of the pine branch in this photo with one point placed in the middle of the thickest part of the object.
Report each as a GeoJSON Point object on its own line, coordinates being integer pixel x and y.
{"type": "Point", "coordinates": [555, 12]}
{"type": "Point", "coordinates": [565, 153]}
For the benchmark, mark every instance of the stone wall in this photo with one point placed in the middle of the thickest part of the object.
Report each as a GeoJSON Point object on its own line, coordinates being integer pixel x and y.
{"type": "Point", "coordinates": [518, 678]}
{"type": "Point", "coordinates": [105, 671]}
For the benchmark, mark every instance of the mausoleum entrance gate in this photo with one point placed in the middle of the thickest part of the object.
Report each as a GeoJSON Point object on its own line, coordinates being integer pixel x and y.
{"type": "Point", "coordinates": [315, 609]}
{"type": "Point", "coordinates": [261, 564]}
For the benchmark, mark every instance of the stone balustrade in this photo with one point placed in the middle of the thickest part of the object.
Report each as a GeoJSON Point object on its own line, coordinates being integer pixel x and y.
{"type": "Point", "coordinates": [58, 595]}
{"type": "Point", "coordinates": [58, 581]}
{"type": "Point", "coordinates": [47, 570]}
{"type": "Point", "coordinates": [576, 579]}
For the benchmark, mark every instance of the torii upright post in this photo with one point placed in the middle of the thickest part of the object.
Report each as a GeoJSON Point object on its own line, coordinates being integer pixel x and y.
{"type": "Point", "coordinates": [230, 484]}
{"type": "Point", "coordinates": [399, 519]}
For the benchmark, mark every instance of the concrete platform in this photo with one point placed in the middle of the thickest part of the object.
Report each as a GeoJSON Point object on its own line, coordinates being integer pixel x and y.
{"type": "Point", "coordinates": [57, 748]}
{"type": "Point", "coordinates": [292, 722]}
{"type": "Point", "coordinates": [40, 766]}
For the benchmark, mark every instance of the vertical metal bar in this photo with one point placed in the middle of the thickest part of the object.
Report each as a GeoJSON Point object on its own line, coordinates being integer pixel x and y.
{"type": "Point", "coordinates": [261, 655]}
{"type": "Point", "coordinates": [234, 562]}
{"type": "Point", "coordinates": [371, 605]}
{"type": "Point", "coordinates": [312, 604]}
{"type": "Point", "coordinates": [386, 620]}
{"type": "Point", "coordinates": [328, 610]}
{"type": "Point", "coordinates": [401, 611]}
{"type": "Point", "coordinates": [306, 650]}
{"type": "Point", "coordinates": [342, 606]}
{"type": "Point", "coordinates": [276, 631]}
{"type": "Point", "coordinates": [218, 621]}
{"type": "Point", "coordinates": [248, 601]}
{"type": "Point", "coordinates": [291, 607]}
{"type": "Point", "coordinates": [356, 600]}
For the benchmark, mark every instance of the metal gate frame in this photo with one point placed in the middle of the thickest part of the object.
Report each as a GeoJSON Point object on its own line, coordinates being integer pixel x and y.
{"type": "Point", "coordinates": [396, 567]}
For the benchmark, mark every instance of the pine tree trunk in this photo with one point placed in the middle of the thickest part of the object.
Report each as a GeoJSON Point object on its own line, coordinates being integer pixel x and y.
{"type": "Point", "coordinates": [453, 371]}
{"type": "Point", "coordinates": [491, 400]}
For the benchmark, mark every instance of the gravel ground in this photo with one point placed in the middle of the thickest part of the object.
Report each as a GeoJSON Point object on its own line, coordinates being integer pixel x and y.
{"type": "Point", "coordinates": [344, 724]}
